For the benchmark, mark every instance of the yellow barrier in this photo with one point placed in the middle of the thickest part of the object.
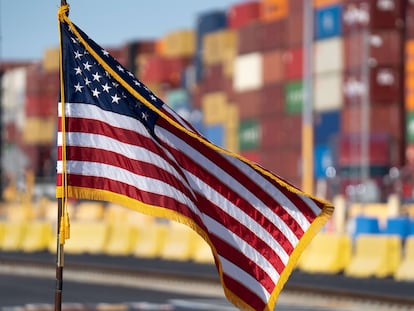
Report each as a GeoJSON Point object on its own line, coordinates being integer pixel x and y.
{"type": "Point", "coordinates": [179, 243]}
{"type": "Point", "coordinates": [37, 236]}
{"type": "Point", "coordinates": [87, 237]}
{"type": "Point", "coordinates": [375, 256]}
{"type": "Point", "coordinates": [13, 235]}
{"type": "Point", "coordinates": [121, 240]}
{"type": "Point", "coordinates": [327, 253]}
{"type": "Point", "coordinates": [405, 271]}
{"type": "Point", "coordinates": [150, 240]}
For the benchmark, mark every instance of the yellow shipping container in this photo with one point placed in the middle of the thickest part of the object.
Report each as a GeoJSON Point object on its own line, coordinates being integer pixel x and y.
{"type": "Point", "coordinates": [218, 45]}
{"type": "Point", "coordinates": [232, 118]}
{"type": "Point", "coordinates": [39, 130]}
{"type": "Point", "coordinates": [228, 63]}
{"type": "Point", "coordinates": [232, 139]}
{"type": "Point", "coordinates": [179, 43]}
{"type": "Point", "coordinates": [51, 59]}
{"type": "Point", "coordinates": [232, 128]}
{"type": "Point", "coordinates": [214, 106]}
{"type": "Point", "coordinates": [271, 10]}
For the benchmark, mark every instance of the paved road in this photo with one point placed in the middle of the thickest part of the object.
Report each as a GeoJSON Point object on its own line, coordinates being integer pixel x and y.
{"type": "Point", "coordinates": [20, 290]}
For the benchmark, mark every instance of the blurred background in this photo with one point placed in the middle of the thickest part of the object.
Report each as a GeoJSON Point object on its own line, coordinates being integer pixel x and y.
{"type": "Point", "coordinates": [253, 82]}
{"type": "Point", "coordinates": [319, 92]}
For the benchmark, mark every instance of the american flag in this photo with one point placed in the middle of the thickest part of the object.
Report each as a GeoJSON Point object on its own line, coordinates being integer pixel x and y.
{"type": "Point", "coordinates": [124, 145]}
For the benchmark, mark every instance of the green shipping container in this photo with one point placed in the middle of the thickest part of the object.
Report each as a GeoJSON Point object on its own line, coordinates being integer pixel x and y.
{"type": "Point", "coordinates": [410, 126]}
{"type": "Point", "coordinates": [294, 97]}
{"type": "Point", "coordinates": [249, 135]}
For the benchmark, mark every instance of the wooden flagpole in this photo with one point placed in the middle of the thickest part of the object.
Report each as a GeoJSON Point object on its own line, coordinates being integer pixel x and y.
{"type": "Point", "coordinates": [60, 248]}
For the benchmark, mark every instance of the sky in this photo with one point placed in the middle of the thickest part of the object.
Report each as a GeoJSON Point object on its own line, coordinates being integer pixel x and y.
{"type": "Point", "coordinates": [28, 27]}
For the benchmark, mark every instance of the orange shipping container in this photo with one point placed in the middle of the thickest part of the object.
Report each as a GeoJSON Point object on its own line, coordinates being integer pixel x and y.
{"type": "Point", "coordinates": [409, 56]}
{"type": "Point", "coordinates": [324, 3]}
{"type": "Point", "coordinates": [272, 67]}
{"type": "Point", "coordinates": [271, 10]}
{"type": "Point", "coordinates": [409, 99]}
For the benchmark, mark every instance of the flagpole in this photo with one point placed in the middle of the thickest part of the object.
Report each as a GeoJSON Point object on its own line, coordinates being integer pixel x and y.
{"type": "Point", "coordinates": [59, 261]}
{"type": "Point", "coordinates": [60, 248]}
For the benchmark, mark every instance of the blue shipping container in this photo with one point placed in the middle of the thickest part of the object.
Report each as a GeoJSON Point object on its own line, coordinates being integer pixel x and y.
{"type": "Point", "coordinates": [322, 160]}
{"type": "Point", "coordinates": [328, 22]}
{"type": "Point", "coordinates": [215, 134]}
{"type": "Point", "coordinates": [209, 22]}
{"type": "Point", "coordinates": [196, 120]}
{"type": "Point", "coordinates": [326, 126]}
{"type": "Point", "coordinates": [178, 99]}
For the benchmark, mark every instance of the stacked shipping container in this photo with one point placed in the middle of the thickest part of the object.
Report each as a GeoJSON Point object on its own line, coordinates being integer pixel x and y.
{"type": "Point", "coordinates": [238, 78]}
{"type": "Point", "coordinates": [373, 40]}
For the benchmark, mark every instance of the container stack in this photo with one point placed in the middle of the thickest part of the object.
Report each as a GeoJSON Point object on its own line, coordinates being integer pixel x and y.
{"type": "Point", "coordinates": [373, 32]}
{"type": "Point", "coordinates": [40, 109]}
{"type": "Point", "coordinates": [237, 76]}
{"type": "Point", "coordinates": [13, 87]}
{"type": "Point", "coordinates": [409, 81]}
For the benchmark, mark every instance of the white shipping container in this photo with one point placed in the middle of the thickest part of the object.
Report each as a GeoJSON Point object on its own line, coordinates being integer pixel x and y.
{"type": "Point", "coordinates": [248, 72]}
{"type": "Point", "coordinates": [328, 55]}
{"type": "Point", "coordinates": [328, 91]}
{"type": "Point", "coordinates": [13, 84]}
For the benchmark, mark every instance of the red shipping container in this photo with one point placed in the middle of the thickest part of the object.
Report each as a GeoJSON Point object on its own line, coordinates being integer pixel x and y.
{"type": "Point", "coordinates": [195, 97]}
{"type": "Point", "coordinates": [294, 29]}
{"type": "Point", "coordinates": [409, 21]}
{"type": "Point", "coordinates": [160, 69]}
{"type": "Point", "coordinates": [353, 50]}
{"type": "Point", "coordinates": [120, 54]}
{"type": "Point", "coordinates": [249, 38]}
{"type": "Point", "coordinates": [353, 88]}
{"type": "Point", "coordinates": [215, 81]}
{"type": "Point", "coordinates": [212, 80]}
{"type": "Point", "coordinates": [272, 35]}
{"type": "Point", "coordinates": [283, 161]}
{"type": "Point", "coordinates": [385, 48]}
{"type": "Point", "coordinates": [293, 63]}
{"type": "Point", "coordinates": [273, 99]}
{"type": "Point", "coordinates": [385, 84]}
{"type": "Point", "coordinates": [383, 117]}
{"type": "Point", "coordinates": [249, 103]}
{"type": "Point", "coordinates": [281, 131]}
{"type": "Point", "coordinates": [272, 132]}
{"type": "Point", "coordinates": [373, 14]}
{"type": "Point", "coordinates": [251, 155]}
{"type": "Point", "coordinates": [380, 147]}
{"type": "Point", "coordinates": [296, 7]}
{"type": "Point", "coordinates": [40, 159]}
{"type": "Point", "coordinates": [41, 106]}
{"type": "Point", "coordinates": [40, 82]}
{"type": "Point", "coordinates": [242, 14]}
{"type": "Point", "coordinates": [272, 67]}
{"type": "Point", "coordinates": [387, 14]}
{"type": "Point", "coordinates": [142, 47]}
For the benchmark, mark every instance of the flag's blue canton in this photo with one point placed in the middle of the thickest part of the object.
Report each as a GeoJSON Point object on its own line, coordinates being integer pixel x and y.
{"type": "Point", "coordinates": [90, 83]}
